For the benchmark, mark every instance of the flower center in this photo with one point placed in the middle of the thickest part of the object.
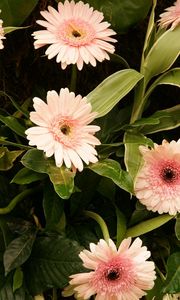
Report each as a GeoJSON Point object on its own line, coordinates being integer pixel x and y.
{"type": "Point", "coordinates": [65, 129]}
{"type": "Point", "coordinates": [169, 174]}
{"type": "Point", "coordinates": [76, 34]}
{"type": "Point", "coordinates": [113, 274]}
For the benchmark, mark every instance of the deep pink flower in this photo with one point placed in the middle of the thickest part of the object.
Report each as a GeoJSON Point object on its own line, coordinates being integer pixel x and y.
{"type": "Point", "coordinates": [171, 16]}
{"type": "Point", "coordinates": [75, 33]}
{"type": "Point", "coordinates": [157, 184]}
{"type": "Point", "coordinates": [63, 129]}
{"type": "Point", "coordinates": [117, 274]}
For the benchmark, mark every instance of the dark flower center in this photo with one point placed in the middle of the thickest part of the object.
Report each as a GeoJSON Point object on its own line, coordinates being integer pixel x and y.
{"type": "Point", "coordinates": [169, 174]}
{"type": "Point", "coordinates": [65, 129]}
{"type": "Point", "coordinates": [113, 274]}
{"type": "Point", "coordinates": [76, 34]}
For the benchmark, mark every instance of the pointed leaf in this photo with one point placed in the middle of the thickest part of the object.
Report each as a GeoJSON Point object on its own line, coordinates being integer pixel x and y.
{"type": "Point", "coordinates": [18, 251]}
{"type": "Point", "coordinates": [15, 12]}
{"type": "Point", "coordinates": [26, 176]}
{"type": "Point", "coordinates": [8, 157]}
{"type": "Point", "coordinates": [13, 124]}
{"type": "Point", "coordinates": [111, 169]}
{"type": "Point", "coordinates": [62, 178]}
{"type": "Point", "coordinates": [148, 225]}
{"type": "Point", "coordinates": [52, 261]}
{"type": "Point", "coordinates": [163, 54]}
{"type": "Point", "coordinates": [173, 274]}
{"type": "Point", "coordinates": [17, 279]}
{"type": "Point", "coordinates": [109, 92]}
{"type": "Point", "coordinates": [133, 157]}
{"type": "Point", "coordinates": [177, 227]}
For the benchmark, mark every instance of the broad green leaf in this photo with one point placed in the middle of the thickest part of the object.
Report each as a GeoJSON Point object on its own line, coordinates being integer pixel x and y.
{"type": "Point", "coordinates": [17, 279]}
{"type": "Point", "coordinates": [53, 207]}
{"type": "Point", "coordinates": [148, 225]}
{"type": "Point", "coordinates": [111, 169]}
{"type": "Point", "coordinates": [172, 282]}
{"type": "Point", "coordinates": [171, 77]}
{"type": "Point", "coordinates": [122, 14]}
{"type": "Point", "coordinates": [177, 227]}
{"type": "Point", "coordinates": [26, 176]}
{"type": "Point", "coordinates": [62, 178]}
{"type": "Point", "coordinates": [109, 92]}
{"type": "Point", "coordinates": [163, 54]}
{"type": "Point", "coordinates": [167, 119]}
{"type": "Point", "coordinates": [133, 157]}
{"type": "Point", "coordinates": [15, 12]}
{"type": "Point", "coordinates": [52, 261]}
{"type": "Point", "coordinates": [8, 157]}
{"type": "Point", "coordinates": [18, 251]}
{"type": "Point", "coordinates": [156, 292]}
{"type": "Point", "coordinates": [13, 124]}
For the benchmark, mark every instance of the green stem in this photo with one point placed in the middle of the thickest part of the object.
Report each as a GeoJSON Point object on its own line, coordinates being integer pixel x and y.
{"type": "Point", "coordinates": [163, 278]}
{"type": "Point", "coordinates": [73, 78]}
{"type": "Point", "coordinates": [54, 297]}
{"type": "Point", "coordinates": [16, 200]}
{"type": "Point", "coordinates": [101, 223]}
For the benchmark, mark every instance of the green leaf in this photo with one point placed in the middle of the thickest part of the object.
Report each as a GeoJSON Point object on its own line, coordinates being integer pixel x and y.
{"type": "Point", "coordinates": [133, 157]}
{"type": "Point", "coordinates": [171, 77]}
{"type": "Point", "coordinates": [148, 225]}
{"type": "Point", "coordinates": [167, 119]}
{"type": "Point", "coordinates": [13, 124]}
{"type": "Point", "coordinates": [52, 261]}
{"type": "Point", "coordinates": [17, 279]}
{"type": "Point", "coordinates": [121, 226]}
{"type": "Point", "coordinates": [53, 207]}
{"type": "Point", "coordinates": [26, 176]}
{"type": "Point", "coordinates": [163, 54]}
{"type": "Point", "coordinates": [18, 251]}
{"type": "Point", "coordinates": [109, 92]}
{"type": "Point", "coordinates": [177, 227]}
{"type": "Point", "coordinates": [62, 178]}
{"type": "Point", "coordinates": [11, 29]}
{"type": "Point", "coordinates": [111, 169]}
{"type": "Point", "coordinates": [172, 282]}
{"type": "Point", "coordinates": [15, 12]}
{"type": "Point", "coordinates": [6, 293]}
{"type": "Point", "coordinates": [7, 158]}
{"type": "Point", "coordinates": [122, 14]}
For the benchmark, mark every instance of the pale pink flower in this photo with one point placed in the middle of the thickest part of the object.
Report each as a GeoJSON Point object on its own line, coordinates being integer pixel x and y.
{"type": "Point", "coordinates": [172, 297]}
{"type": "Point", "coordinates": [1, 34]}
{"type": "Point", "coordinates": [171, 16]}
{"type": "Point", "coordinates": [157, 184]}
{"type": "Point", "coordinates": [63, 129]}
{"type": "Point", "coordinates": [76, 34]}
{"type": "Point", "coordinates": [117, 274]}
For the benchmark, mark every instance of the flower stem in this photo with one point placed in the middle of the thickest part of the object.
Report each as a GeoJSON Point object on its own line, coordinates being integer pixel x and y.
{"type": "Point", "coordinates": [73, 78]}
{"type": "Point", "coordinates": [163, 278]}
{"type": "Point", "coordinates": [54, 296]}
{"type": "Point", "coordinates": [16, 200]}
{"type": "Point", "coordinates": [101, 223]}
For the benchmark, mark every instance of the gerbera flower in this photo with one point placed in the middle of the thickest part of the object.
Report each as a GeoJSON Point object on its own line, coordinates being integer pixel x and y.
{"type": "Point", "coordinates": [1, 34]}
{"type": "Point", "coordinates": [118, 274]}
{"type": "Point", "coordinates": [63, 129]}
{"type": "Point", "coordinates": [157, 184]}
{"type": "Point", "coordinates": [76, 34]}
{"type": "Point", "coordinates": [171, 16]}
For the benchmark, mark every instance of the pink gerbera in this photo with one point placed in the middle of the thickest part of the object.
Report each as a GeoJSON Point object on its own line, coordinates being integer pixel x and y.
{"type": "Point", "coordinates": [171, 16]}
{"type": "Point", "coordinates": [1, 34]}
{"type": "Point", "coordinates": [63, 129]}
{"type": "Point", "coordinates": [157, 184]}
{"type": "Point", "coordinates": [118, 274]}
{"type": "Point", "coordinates": [76, 34]}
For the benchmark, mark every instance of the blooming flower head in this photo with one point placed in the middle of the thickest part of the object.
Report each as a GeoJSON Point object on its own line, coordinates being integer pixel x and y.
{"type": "Point", "coordinates": [117, 274]}
{"type": "Point", "coordinates": [76, 34]}
{"type": "Point", "coordinates": [171, 16]}
{"type": "Point", "coordinates": [63, 129]}
{"type": "Point", "coordinates": [1, 34]}
{"type": "Point", "coordinates": [157, 184]}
